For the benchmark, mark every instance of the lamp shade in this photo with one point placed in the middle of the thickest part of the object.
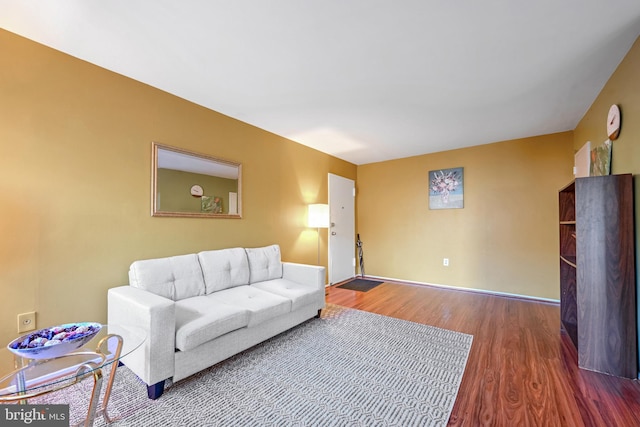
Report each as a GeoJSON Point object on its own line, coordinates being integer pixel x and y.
{"type": "Point", "coordinates": [318, 216]}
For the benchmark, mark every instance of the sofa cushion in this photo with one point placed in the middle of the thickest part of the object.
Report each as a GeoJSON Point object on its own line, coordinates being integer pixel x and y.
{"type": "Point", "coordinates": [262, 305]}
{"type": "Point", "coordinates": [300, 295]}
{"type": "Point", "coordinates": [264, 263]}
{"type": "Point", "coordinates": [176, 277]}
{"type": "Point", "coordinates": [201, 319]}
{"type": "Point", "coordinates": [224, 268]}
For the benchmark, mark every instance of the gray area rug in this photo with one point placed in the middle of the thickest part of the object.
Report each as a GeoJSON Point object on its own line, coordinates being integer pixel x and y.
{"type": "Point", "coordinates": [350, 368]}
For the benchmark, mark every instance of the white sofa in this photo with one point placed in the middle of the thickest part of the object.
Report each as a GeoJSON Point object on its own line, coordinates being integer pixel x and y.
{"type": "Point", "coordinates": [200, 309]}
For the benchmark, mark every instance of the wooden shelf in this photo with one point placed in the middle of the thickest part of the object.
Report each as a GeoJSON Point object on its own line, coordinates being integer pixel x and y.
{"type": "Point", "coordinates": [568, 294]}
{"type": "Point", "coordinates": [569, 260]}
{"type": "Point", "coordinates": [597, 273]}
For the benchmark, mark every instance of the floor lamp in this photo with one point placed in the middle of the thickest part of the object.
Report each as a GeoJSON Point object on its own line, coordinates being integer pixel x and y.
{"type": "Point", "coordinates": [318, 218]}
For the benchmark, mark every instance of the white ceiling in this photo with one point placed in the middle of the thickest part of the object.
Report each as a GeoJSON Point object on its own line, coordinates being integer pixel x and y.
{"type": "Point", "coordinates": [194, 163]}
{"type": "Point", "coordinates": [364, 80]}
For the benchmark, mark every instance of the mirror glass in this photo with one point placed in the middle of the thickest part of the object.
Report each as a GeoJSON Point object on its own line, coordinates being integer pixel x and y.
{"type": "Point", "coordinates": [188, 184]}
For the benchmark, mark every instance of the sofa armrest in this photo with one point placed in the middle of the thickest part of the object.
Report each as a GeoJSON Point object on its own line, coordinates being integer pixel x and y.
{"type": "Point", "coordinates": [154, 361]}
{"type": "Point", "coordinates": [310, 275]}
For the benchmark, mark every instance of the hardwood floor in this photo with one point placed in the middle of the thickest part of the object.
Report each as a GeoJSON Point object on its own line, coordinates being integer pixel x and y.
{"type": "Point", "coordinates": [522, 371]}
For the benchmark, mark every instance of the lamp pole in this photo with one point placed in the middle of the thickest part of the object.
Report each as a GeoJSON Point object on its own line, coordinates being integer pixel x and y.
{"type": "Point", "coordinates": [318, 246]}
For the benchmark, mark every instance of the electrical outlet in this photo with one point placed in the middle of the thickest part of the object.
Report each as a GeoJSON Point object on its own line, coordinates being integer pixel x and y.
{"type": "Point", "coordinates": [26, 322]}
{"type": "Point", "coordinates": [445, 262]}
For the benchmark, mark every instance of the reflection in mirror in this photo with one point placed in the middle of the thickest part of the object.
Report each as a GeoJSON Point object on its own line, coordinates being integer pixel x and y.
{"type": "Point", "coordinates": [187, 184]}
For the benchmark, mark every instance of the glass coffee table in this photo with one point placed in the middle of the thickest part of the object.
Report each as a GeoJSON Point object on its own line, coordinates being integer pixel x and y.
{"type": "Point", "coordinates": [36, 377]}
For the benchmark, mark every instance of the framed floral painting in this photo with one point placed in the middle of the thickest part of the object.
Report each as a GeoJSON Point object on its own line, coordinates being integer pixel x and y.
{"type": "Point", "coordinates": [446, 189]}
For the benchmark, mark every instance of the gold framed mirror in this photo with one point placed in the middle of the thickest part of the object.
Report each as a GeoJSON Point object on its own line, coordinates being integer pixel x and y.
{"type": "Point", "coordinates": [188, 184]}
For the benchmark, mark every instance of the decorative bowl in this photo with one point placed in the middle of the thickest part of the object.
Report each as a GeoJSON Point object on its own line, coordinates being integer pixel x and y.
{"type": "Point", "coordinates": [56, 341]}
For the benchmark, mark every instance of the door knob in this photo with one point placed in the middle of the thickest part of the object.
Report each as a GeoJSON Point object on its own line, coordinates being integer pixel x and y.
{"type": "Point", "coordinates": [333, 233]}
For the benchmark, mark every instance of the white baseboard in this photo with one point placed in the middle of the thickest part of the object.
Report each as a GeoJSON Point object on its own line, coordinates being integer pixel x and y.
{"type": "Point", "coordinates": [480, 291]}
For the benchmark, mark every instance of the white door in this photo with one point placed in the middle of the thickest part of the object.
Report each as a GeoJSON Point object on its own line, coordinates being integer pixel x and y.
{"type": "Point", "coordinates": [342, 230]}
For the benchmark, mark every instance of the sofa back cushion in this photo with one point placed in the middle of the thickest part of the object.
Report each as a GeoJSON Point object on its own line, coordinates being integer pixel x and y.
{"type": "Point", "coordinates": [224, 268]}
{"type": "Point", "coordinates": [264, 263]}
{"type": "Point", "coordinates": [176, 277]}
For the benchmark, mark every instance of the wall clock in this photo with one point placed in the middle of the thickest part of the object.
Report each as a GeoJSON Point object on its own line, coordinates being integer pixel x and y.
{"type": "Point", "coordinates": [196, 191]}
{"type": "Point", "coordinates": [613, 122]}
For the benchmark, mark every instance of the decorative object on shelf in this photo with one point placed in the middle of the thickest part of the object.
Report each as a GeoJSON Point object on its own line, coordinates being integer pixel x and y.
{"type": "Point", "coordinates": [233, 203]}
{"type": "Point", "coordinates": [318, 218]}
{"type": "Point", "coordinates": [217, 204]}
{"type": "Point", "coordinates": [206, 204]}
{"type": "Point", "coordinates": [446, 189]}
{"type": "Point", "coordinates": [197, 191]}
{"type": "Point", "coordinates": [582, 161]}
{"type": "Point", "coordinates": [212, 204]}
{"type": "Point", "coordinates": [613, 122]}
{"type": "Point", "coordinates": [601, 159]}
{"type": "Point", "coordinates": [57, 341]}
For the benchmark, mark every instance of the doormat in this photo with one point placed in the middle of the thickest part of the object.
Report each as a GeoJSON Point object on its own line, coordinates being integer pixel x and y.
{"type": "Point", "coordinates": [360, 285]}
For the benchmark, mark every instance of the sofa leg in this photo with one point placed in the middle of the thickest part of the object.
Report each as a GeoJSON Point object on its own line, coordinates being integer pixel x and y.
{"type": "Point", "coordinates": [155, 391]}
{"type": "Point", "coordinates": [319, 313]}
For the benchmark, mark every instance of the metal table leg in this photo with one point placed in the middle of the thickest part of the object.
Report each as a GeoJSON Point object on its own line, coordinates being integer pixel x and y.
{"type": "Point", "coordinates": [114, 366]}
{"type": "Point", "coordinates": [95, 393]}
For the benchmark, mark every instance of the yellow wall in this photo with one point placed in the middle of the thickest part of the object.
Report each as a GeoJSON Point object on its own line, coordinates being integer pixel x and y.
{"type": "Point", "coordinates": [623, 88]}
{"type": "Point", "coordinates": [75, 182]}
{"type": "Point", "coordinates": [506, 237]}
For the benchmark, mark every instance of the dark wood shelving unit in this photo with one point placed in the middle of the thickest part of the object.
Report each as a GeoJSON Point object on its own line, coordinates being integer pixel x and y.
{"type": "Point", "coordinates": [597, 273]}
{"type": "Point", "coordinates": [568, 296]}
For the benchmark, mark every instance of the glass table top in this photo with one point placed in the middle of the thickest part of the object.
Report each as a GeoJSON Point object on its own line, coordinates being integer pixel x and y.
{"type": "Point", "coordinates": [34, 375]}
